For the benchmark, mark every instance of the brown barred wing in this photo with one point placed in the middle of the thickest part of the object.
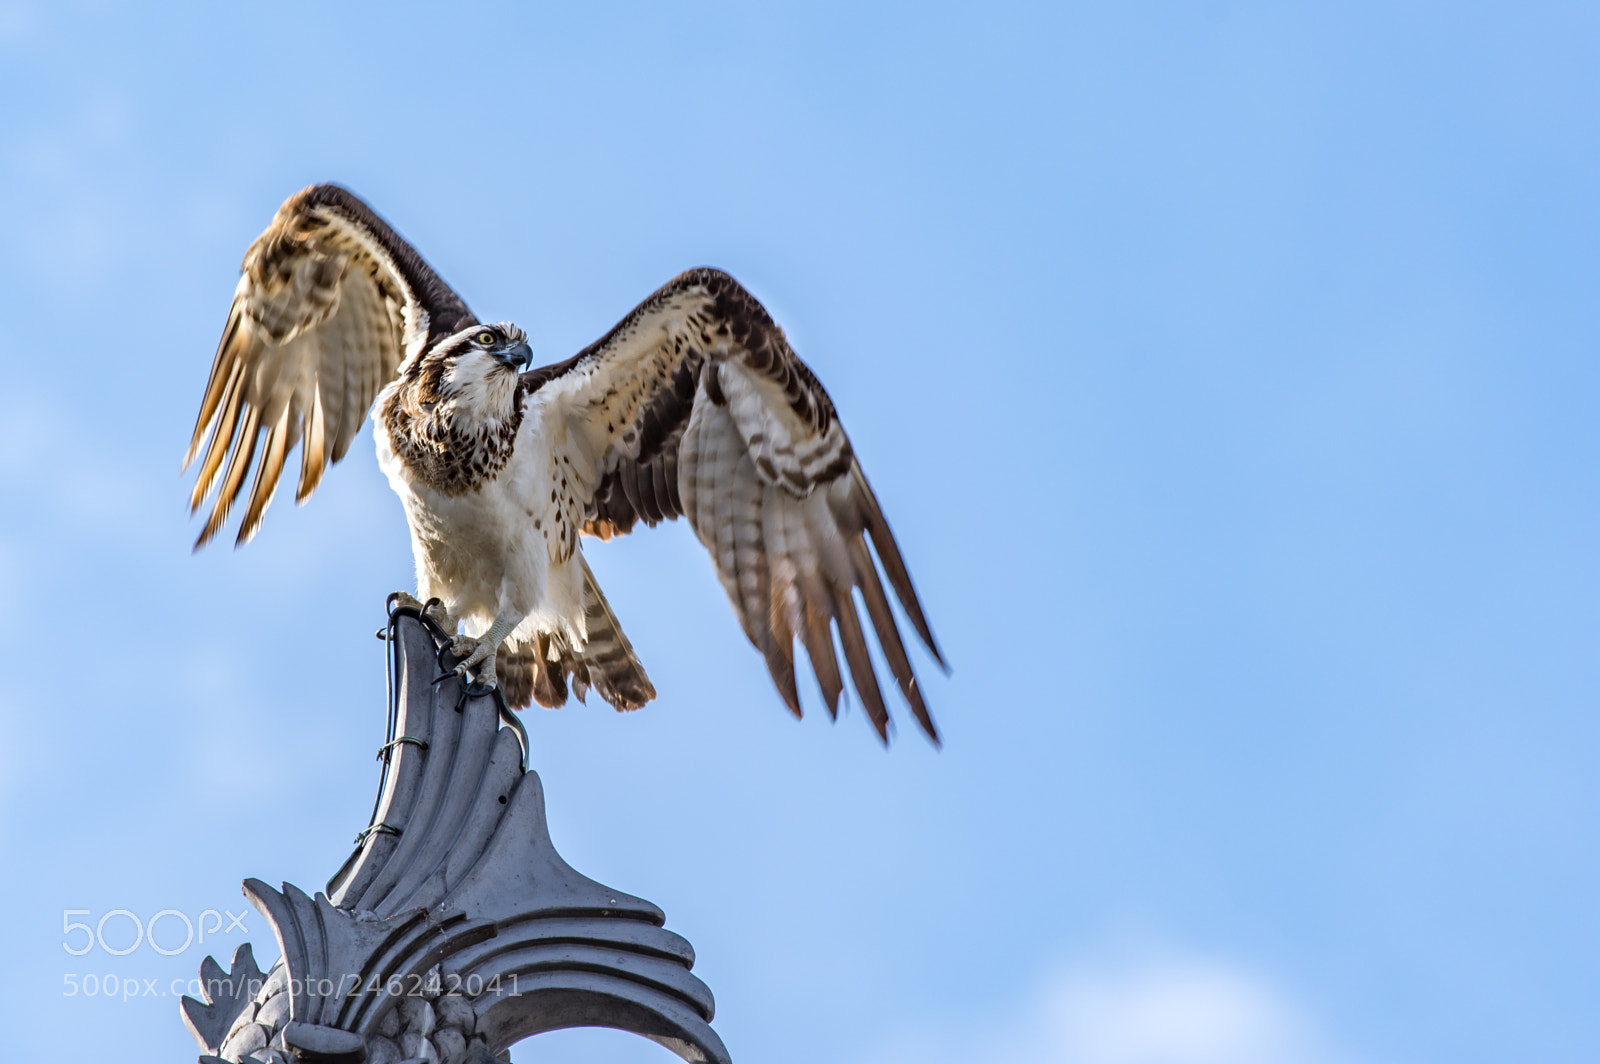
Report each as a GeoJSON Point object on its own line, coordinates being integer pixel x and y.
{"type": "Point", "coordinates": [695, 405]}
{"type": "Point", "coordinates": [329, 302]}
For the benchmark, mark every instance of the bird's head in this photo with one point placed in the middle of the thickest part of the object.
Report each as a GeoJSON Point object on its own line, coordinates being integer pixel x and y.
{"type": "Point", "coordinates": [485, 351]}
{"type": "Point", "coordinates": [473, 371]}
{"type": "Point", "coordinates": [453, 414]}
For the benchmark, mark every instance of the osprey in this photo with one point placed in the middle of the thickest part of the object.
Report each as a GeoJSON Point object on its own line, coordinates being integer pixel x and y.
{"type": "Point", "coordinates": [693, 405]}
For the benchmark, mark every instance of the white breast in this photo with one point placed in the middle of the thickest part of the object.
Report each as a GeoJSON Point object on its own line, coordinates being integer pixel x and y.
{"type": "Point", "coordinates": [485, 553]}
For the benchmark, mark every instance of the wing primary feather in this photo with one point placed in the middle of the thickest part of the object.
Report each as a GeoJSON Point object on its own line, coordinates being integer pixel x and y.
{"type": "Point", "coordinates": [783, 612]}
{"type": "Point", "coordinates": [265, 391]}
{"type": "Point", "coordinates": [349, 417]}
{"type": "Point", "coordinates": [749, 559]}
{"type": "Point", "coordinates": [736, 497]}
{"type": "Point", "coordinates": [647, 495]}
{"type": "Point", "coordinates": [688, 478]}
{"type": "Point", "coordinates": [809, 603]}
{"type": "Point", "coordinates": [314, 452]}
{"type": "Point", "coordinates": [669, 471]}
{"type": "Point", "coordinates": [244, 452]}
{"type": "Point", "coordinates": [630, 491]}
{"type": "Point", "coordinates": [894, 650]}
{"type": "Point", "coordinates": [722, 535]}
{"type": "Point", "coordinates": [781, 667]}
{"type": "Point", "coordinates": [224, 367]}
{"type": "Point", "coordinates": [704, 514]}
{"type": "Point", "coordinates": [893, 564]}
{"type": "Point", "coordinates": [818, 638]}
{"type": "Point", "coordinates": [862, 675]}
{"type": "Point", "coordinates": [221, 438]}
{"type": "Point", "coordinates": [663, 490]}
{"type": "Point", "coordinates": [267, 474]}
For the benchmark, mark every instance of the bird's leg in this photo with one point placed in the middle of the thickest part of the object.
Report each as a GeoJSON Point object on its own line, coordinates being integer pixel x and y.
{"type": "Point", "coordinates": [480, 651]}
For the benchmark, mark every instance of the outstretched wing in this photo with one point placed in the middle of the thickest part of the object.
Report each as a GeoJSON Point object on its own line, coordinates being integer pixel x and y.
{"type": "Point", "coordinates": [330, 301]}
{"type": "Point", "coordinates": [695, 405]}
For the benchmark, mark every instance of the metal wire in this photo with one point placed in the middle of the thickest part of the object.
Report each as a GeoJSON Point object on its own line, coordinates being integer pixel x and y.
{"type": "Point", "coordinates": [470, 689]}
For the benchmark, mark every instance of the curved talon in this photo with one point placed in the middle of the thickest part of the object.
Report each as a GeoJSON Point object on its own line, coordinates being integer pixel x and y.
{"type": "Point", "coordinates": [474, 685]}
{"type": "Point", "coordinates": [458, 646]}
{"type": "Point", "coordinates": [438, 615]}
{"type": "Point", "coordinates": [433, 613]}
{"type": "Point", "coordinates": [471, 652]}
{"type": "Point", "coordinates": [402, 600]}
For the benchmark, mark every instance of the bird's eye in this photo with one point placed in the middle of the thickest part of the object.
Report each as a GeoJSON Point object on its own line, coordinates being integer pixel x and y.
{"type": "Point", "coordinates": [486, 338]}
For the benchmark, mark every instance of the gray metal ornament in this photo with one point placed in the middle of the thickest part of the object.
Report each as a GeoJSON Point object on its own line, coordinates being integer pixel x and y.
{"type": "Point", "coordinates": [455, 929]}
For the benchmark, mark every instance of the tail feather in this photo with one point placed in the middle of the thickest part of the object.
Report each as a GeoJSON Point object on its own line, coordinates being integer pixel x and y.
{"type": "Point", "coordinates": [607, 662]}
{"type": "Point", "coordinates": [515, 667]}
{"type": "Point", "coordinates": [539, 671]}
{"type": "Point", "coordinates": [527, 674]}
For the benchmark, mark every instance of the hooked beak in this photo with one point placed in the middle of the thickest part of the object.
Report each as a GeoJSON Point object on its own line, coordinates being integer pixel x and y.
{"type": "Point", "coordinates": [517, 357]}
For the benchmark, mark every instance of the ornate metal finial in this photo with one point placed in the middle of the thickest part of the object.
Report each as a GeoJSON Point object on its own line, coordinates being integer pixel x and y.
{"type": "Point", "coordinates": [455, 929]}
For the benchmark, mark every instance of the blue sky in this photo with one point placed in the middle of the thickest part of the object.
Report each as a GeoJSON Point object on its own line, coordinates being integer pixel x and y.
{"type": "Point", "coordinates": [1228, 372]}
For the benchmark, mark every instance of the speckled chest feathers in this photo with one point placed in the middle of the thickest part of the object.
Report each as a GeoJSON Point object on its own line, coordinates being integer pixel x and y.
{"type": "Point", "coordinates": [452, 419]}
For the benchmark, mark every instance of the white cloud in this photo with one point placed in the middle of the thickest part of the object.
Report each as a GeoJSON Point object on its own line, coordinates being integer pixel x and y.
{"type": "Point", "coordinates": [1162, 1009]}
